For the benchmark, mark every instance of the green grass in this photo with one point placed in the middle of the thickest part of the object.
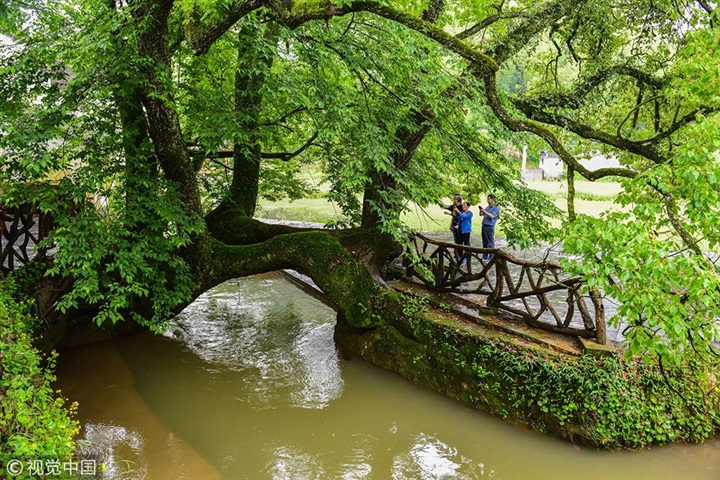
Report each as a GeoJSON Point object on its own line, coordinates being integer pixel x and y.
{"type": "Point", "coordinates": [591, 199]}
{"type": "Point", "coordinates": [584, 190]}
{"type": "Point", "coordinates": [323, 211]}
{"type": "Point", "coordinates": [305, 210]}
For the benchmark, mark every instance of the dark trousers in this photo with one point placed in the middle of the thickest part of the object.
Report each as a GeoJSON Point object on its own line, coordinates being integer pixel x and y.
{"type": "Point", "coordinates": [463, 239]}
{"type": "Point", "coordinates": [488, 239]}
{"type": "Point", "coordinates": [456, 235]}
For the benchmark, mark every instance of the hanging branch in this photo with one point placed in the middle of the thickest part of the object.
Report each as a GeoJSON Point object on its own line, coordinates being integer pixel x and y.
{"type": "Point", "coordinates": [636, 110]}
{"type": "Point", "coordinates": [285, 156]}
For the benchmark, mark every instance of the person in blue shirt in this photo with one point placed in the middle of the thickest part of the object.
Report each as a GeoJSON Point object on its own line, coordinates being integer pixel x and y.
{"type": "Point", "coordinates": [490, 215]}
{"type": "Point", "coordinates": [464, 228]}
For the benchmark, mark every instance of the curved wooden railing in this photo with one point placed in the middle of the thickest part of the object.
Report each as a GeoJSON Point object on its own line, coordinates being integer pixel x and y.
{"type": "Point", "coordinates": [522, 288]}
{"type": "Point", "coordinates": [21, 229]}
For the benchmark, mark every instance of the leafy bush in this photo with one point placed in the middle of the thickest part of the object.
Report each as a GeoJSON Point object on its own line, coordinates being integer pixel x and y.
{"type": "Point", "coordinates": [612, 402]}
{"type": "Point", "coordinates": [35, 423]}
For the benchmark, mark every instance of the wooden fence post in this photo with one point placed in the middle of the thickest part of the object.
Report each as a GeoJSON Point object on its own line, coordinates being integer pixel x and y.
{"type": "Point", "coordinates": [600, 328]}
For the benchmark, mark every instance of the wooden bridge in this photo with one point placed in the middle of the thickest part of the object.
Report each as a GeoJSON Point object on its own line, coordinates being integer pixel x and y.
{"type": "Point", "coordinates": [21, 230]}
{"type": "Point", "coordinates": [540, 293]}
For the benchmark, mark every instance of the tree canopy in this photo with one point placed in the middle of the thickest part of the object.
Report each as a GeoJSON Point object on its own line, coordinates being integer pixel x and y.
{"type": "Point", "coordinates": [149, 128]}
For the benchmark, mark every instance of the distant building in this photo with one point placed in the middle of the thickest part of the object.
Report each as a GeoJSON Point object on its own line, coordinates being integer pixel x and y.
{"type": "Point", "coordinates": [598, 160]}
{"type": "Point", "coordinates": [551, 165]}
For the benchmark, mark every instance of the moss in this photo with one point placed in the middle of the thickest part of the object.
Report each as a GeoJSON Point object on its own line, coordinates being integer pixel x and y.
{"type": "Point", "coordinates": [344, 278]}
{"type": "Point", "coordinates": [606, 403]}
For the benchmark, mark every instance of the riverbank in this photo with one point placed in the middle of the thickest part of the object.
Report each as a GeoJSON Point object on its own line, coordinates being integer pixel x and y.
{"type": "Point", "coordinates": [34, 422]}
{"type": "Point", "coordinates": [601, 402]}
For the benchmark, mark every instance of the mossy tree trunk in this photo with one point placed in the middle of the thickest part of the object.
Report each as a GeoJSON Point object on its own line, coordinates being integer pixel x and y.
{"type": "Point", "coordinates": [254, 63]}
{"type": "Point", "coordinates": [378, 193]}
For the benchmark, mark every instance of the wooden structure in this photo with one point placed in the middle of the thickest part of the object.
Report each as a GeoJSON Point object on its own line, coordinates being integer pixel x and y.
{"type": "Point", "coordinates": [21, 230]}
{"type": "Point", "coordinates": [539, 292]}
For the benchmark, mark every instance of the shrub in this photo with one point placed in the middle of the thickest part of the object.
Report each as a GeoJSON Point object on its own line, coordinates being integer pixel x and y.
{"type": "Point", "coordinates": [35, 423]}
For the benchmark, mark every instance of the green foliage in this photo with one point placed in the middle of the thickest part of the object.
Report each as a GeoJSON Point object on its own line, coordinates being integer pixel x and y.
{"type": "Point", "coordinates": [207, 11]}
{"type": "Point", "coordinates": [35, 423]}
{"type": "Point", "coordinates": [630, 405]}
{"type": "Point", "coordinates": [668, 294]}
{"type": "Point", "coordinates": [342, 82]}
{"type": "Point", "coordinates": [652, 258]}
{"type": "Point", "coordinates": [119, 227]}
{"type": "Point", "coordinates": [114, 262]}
{"type": "Point", "coordinates": [414, 304]}
{"type": "Point", "coordinates": [392, 117]}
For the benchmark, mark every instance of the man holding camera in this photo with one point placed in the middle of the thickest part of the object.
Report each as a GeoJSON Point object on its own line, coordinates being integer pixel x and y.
{"type": "Point", "coordinates": [454, 210]}
{"type": "Point", "coordinates": [490, 215]}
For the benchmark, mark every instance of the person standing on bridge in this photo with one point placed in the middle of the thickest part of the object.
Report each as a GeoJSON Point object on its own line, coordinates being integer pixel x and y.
{"type": "Point", "coordinates": [465, 228]}
{"type": "Point", "coordinates": [490, 215]}
{"type": "Point", "coordinates": [450, 210]}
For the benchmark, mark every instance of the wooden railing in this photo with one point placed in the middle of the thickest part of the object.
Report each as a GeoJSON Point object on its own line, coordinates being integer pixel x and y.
{"type": "Point", "coordinates": [539, 292]}
{"type": "Point", "coordinates": [21, 229]}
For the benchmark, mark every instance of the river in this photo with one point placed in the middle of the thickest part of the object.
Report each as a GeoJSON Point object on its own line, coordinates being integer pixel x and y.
{"type": "Point", "coordinates": [247, 384]}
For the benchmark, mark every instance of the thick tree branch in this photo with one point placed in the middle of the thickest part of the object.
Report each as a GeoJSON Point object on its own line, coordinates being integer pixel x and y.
{"type": "Point", "coordinates": [519, 37]}
{"type": "Point", "coordinates": [524, 125]}
{"type": "Point", "coordinates": [340, 275]}
{"type": "Point", "coordinates": [575, 97]}
{"type": "Point", "coordinates": [486, 22]}
{"type": "Point", "coordinates": [677, 125]}
{"type": "Point", "coordinates": [645, 148]}
{"type": "Point", "coordinates": [232, 227]}
{"type": "Point", "coordinates": [588, 132]}
{"type": "Point", "coordinates": [200, 35]}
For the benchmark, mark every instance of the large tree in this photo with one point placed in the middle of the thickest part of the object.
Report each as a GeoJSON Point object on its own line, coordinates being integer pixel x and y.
{"type": "Point", "coordinates": [139, 102]}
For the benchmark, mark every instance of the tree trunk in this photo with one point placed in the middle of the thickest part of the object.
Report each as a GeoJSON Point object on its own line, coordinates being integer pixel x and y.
{"type": "Point", "coordinates": [255, 60]}
{"type": "Point", "coordinates": [163, 121]}
{"type": "Point", "coordinates": [378, 194]}
{"type": "Point", "coordinates": [234, 245]}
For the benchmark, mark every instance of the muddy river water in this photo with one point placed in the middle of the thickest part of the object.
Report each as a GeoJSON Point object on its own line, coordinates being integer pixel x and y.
{"type": "Point", "coordinates": [247, 384]}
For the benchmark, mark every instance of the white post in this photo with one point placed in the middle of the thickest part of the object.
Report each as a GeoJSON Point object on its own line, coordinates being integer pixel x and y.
{"type": "Point", "coordinates": [524, 160]}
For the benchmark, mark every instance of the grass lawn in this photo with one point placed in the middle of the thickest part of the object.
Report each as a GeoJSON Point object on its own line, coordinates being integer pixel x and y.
{"type": "Point", "coordinates": [591, 199]}
{"type": "Point", "coordinates": [557, 189]}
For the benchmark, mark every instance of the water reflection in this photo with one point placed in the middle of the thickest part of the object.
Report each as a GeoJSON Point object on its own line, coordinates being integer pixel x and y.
{"type": "Point", "coordinates": [120, 430]}
{"type": "Point", "coordinates": [121, 450]}
{"type": "Point", "coordinates": [430, 458]}
{"type": "Point", "coordinates": [292, 462]}
{"type": "Point", "coordinates": [280, 342]}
